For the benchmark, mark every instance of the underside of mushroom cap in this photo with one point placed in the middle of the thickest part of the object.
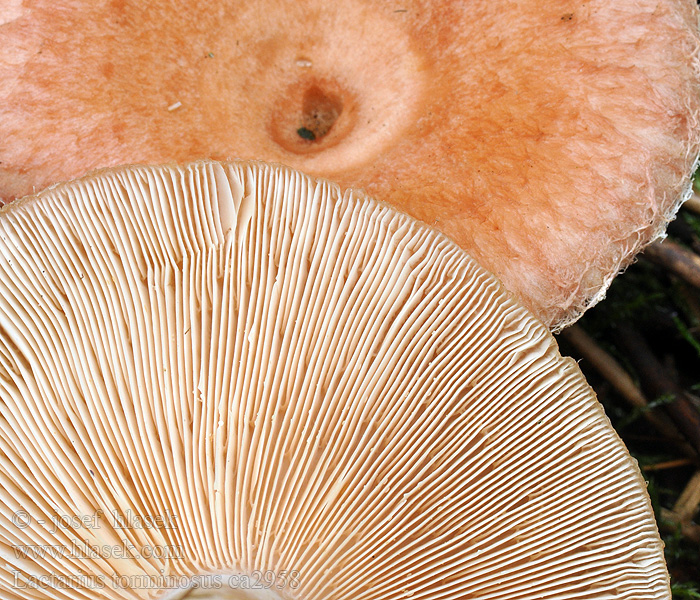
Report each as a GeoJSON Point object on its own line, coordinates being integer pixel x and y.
{"type": "Point", "coordinates": [229, 373]}
{"type": "Point", "coordinates": [550, 140]}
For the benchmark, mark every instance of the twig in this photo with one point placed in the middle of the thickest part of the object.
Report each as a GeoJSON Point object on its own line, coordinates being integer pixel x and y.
{"type": "Point", "coordinates": [656, 384]}
{"type": "Point", "coordinates": [611, 370]}
{"type": "Point", "coordinates": [688, 529]}
{"type": "Point", "coordinates": [676, 258]}
{"type": "Point", "coordinates": [688, 502]}
{"type": "Point", "coordinates": [669, 464]}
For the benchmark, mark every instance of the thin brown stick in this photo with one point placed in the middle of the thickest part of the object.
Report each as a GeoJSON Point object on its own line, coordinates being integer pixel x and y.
{"type": "Point", "coordinates": [656, 383]}
{"type": "Point", "coordinates": [675, 258]}
{"type": "Point", "coordinates": [688, 502]}
{"type": "Point", "coordinates": [605, 364]}
{"type": "Point", "coordinates": [669, 464]}
{"type": "Point", "coordinates": [688, 529]}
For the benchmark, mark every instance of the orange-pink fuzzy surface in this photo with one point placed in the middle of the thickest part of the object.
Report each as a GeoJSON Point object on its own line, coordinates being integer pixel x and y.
{"type": "Point", "coordinates": [549, 139]}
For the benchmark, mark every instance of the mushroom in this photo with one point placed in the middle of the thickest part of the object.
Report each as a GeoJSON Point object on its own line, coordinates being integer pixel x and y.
{"type": "Point", "coordinates": [551, 141]}
{"type": "Point", "coordinates": [234, 381]}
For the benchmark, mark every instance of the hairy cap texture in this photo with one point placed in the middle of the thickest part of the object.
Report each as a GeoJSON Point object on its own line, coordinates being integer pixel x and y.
{"type": "Point", "coordinates": [234, 374]}
{"type": "Point", "coordinates": [550, 140]}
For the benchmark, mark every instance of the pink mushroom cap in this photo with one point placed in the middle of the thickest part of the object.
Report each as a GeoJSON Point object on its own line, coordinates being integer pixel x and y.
{"type": "Point", "coordinates": [550, 140]}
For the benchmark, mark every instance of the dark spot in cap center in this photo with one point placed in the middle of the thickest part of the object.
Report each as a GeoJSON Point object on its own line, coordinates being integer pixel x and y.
{"type": "Point", "coordinates": [319, 112]}
{"type": "Point", "coordinates": [306, 134]}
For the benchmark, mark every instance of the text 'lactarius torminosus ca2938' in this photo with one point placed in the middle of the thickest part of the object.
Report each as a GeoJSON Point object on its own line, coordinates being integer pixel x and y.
{"type": "Point", "coordinates": [229, 375]}
{"type": "Point", "coordinates": [551, 140]}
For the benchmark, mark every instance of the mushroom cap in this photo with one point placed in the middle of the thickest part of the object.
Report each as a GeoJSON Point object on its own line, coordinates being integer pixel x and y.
{"type": "Point", "coordinates": [235, 371]}
{"type": "Point", "coordinates": [551, 141]}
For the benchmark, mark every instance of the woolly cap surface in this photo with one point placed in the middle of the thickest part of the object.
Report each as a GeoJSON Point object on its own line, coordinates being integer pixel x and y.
{"type": "Point", "coordinates": [550, 140]}
{"type": "Point", "coordinates": [230, 374]}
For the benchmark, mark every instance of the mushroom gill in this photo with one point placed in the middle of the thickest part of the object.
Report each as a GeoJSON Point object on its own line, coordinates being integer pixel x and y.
{"type": "Point", "coordinates": [235, 381]}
